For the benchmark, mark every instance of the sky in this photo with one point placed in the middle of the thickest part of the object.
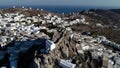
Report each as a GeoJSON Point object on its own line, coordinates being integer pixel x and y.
{"type": "Point", "coordinates": [61, 2]}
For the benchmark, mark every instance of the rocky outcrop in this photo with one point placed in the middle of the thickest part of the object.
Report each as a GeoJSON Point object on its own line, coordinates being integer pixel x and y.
{"type": "Point", "coordinates": [76, 42]}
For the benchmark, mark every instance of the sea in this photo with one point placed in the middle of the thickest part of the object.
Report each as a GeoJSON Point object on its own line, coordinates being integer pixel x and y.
{"type": "Point", "coordinates": [62, 9]}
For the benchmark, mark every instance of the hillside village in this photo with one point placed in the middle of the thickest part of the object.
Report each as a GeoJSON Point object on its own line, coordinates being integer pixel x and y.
{"type": "Point", "coordinates": [48, 41]}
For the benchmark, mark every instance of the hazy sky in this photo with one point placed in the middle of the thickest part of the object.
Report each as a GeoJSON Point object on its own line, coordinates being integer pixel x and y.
{"type": "Point", "coordinates": [62, 2]}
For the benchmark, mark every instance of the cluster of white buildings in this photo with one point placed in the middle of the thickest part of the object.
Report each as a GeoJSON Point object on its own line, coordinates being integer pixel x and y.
{"type": "Point", "coordinates": [97, 47]}
{"type": "Point", "coordinates": [58, 21]}
{"type": "Point", "coordinates": [16, 27]}
{"type": "Point", "coordinates": [107, 42]}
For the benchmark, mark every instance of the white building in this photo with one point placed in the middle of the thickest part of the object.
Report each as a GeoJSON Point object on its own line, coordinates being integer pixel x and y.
{"type": "Point", "coordinates": [50, 44]}
{"type": "Point", "coordinates": [66, 64]}
{"type": "Point", "coordinates": [3, 39]}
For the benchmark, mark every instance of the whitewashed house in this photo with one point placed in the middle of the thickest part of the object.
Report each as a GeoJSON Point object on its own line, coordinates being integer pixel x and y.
{"type": "Point", "coordinates": [16, 18]}
{"type": "Point", "coordinates": [66, 64]}
{"type": "Point", "coordinates": [35, 19]}
{"type": "Point", "coordinates": [50, 44]}
{"type": "Point", "coordinates": [3, 39]}
{"type": "Point", "coordinates": [47, 46]}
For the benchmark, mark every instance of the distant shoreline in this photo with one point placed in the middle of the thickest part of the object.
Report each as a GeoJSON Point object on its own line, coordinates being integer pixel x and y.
{"type": "Point", "coordinates": [62, 9]}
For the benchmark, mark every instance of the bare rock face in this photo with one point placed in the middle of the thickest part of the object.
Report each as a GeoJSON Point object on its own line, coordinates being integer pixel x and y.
{"type": "Point", "coordinates": [51, 60]}
{"type": "Point", "coordinates": [64, 52]}
{"type": "Point", "coordinates": [35, 63]}
{"type": "Point", "coordinates": [65, 49]}
{"type": "Point", "coordinates": [65, 46]}
{"type": "Point", "coordinates": [55, 36]}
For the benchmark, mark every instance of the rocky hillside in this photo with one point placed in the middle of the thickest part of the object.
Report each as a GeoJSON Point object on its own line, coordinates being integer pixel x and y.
{"type": "Point", "coordinates": [87, 39]}
{"type": "Point", "coordinates": [110, 19]}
